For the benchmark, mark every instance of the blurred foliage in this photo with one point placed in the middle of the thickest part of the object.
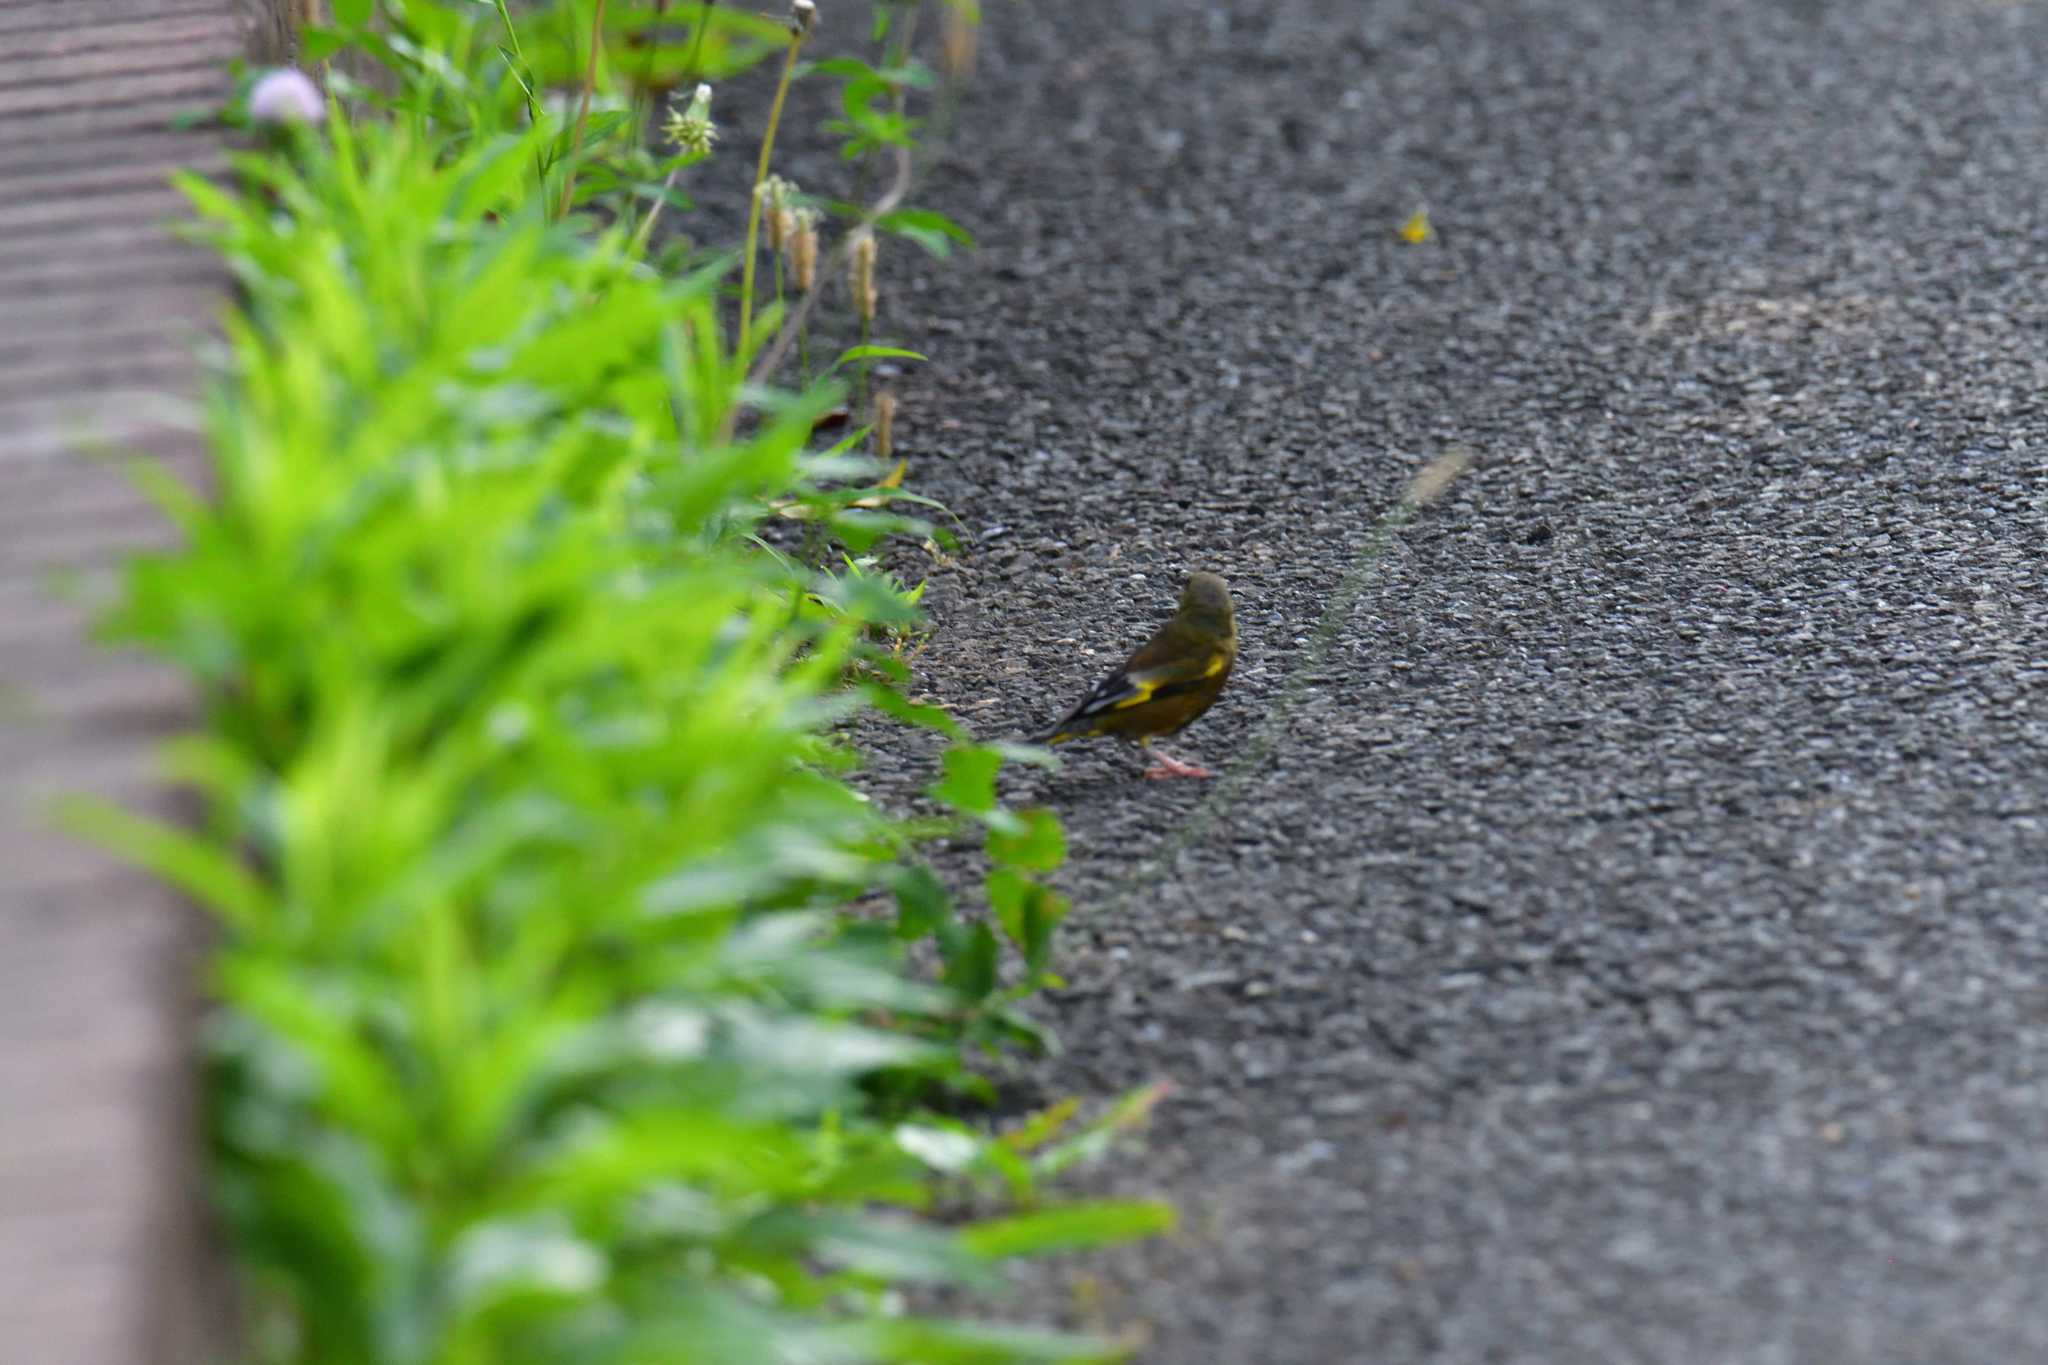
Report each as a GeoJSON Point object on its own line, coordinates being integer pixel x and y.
{"type": "Point", "coordinates": [478, 69]}
{"type": "Point", "coordinates": [558, 1014]}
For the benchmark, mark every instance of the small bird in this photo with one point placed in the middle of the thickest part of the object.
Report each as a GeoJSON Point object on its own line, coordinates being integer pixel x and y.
{"type": "Point", "coordinates": [1174, 677]}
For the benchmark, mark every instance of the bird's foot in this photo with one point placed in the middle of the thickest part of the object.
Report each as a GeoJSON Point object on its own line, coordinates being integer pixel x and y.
{"type": "Point", "coordinates": [1167, 766]}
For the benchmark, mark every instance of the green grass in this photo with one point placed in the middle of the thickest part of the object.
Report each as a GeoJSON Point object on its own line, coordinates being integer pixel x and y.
{"type": "Point", "coordinates": [548, 1022]}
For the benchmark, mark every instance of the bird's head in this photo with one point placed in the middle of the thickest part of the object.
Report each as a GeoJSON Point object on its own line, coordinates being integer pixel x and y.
{"type": "Point", "coordinates": [1205, 602]}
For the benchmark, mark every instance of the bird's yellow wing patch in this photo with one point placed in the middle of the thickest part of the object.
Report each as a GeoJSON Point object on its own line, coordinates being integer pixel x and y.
{"type": "Point", "coordinates": [1127, 690]}
{"type": "Point", "coordinates": [1175, 677]}
{"type": "Point", "coordinates": [1140, 693]}
{"type": "Point", "coordinates": [1117, 693]}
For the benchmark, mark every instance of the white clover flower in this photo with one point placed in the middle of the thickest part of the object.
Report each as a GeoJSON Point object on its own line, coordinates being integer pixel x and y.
{"type": "Point", "coordinates": [286, 95]}
{"type": "Point", "coordinates": [690, 129]}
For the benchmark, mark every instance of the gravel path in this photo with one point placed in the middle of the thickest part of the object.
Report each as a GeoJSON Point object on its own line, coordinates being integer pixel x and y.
{"type": "Point", "coordinates": [1632, 949]}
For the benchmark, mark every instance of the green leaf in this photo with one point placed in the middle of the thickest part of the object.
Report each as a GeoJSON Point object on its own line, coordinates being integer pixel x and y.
{"type": "Point", "coordinates": [1043, 1126]}
{"type": "Point", "coordinates": [889, 1248]}
{"type": "Point", "coordinates": [952, 1150]}
{"type": "Point", "coordinates": [869, 598]}
{"type": "Point", "coordinates": [933, 231]}
{"type": "Point", "coordinates": [1099, 1134]}
{"type": "Point", "coordinates": [497, 1260]}
{"type": "Point", "coordinates": [969, 785]}
{"type": "Point", "coordinates": [970, 958]}
{"type": "Point", "coordinates": [1037, 755]}
{"type": "Point", "coordinates": [919, 1341]}
{"type": "Point", "coordinates": [893, 703]}
{"type": "Point", "coordinates": [1066, 1229]}
{"type": "Point", "coordinates": [607, 1161]}
{"type": "Point", "coordinates": [1028, 912]}
{"type": "Point", "coordinates": [209, 874]}
{"type": "Point", "coordinates": [922, 902]}
{"type": "Point", "coordinates": [853, 353]}
{"type": "Point", "coordinates": [317, 44]}
{"type": "Point", "coordinates": [1043, 914]}
{"type": "Point", "coordinates": [1007, 890]}
{"type": "Point", "coordinates": [1040, 846]}
{"type": "Point", "coordinates": [351, 15]}
{"type": "Point", "coordinates": [838, 66]}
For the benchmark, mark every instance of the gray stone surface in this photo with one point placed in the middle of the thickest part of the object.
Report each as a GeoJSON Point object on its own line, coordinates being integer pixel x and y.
{"type": "Point", "coordinates": [1633, 949]}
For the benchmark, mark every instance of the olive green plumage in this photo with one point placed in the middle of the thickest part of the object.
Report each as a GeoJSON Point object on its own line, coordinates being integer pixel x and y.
{"type": "Point", "coordinates": [1174, 677]}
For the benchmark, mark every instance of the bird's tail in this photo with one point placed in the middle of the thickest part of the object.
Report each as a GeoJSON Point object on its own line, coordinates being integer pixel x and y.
{"type": "Point", "coordinates": [1051, 735]}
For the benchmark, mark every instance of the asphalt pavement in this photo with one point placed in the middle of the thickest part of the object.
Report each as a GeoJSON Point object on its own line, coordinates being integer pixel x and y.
{"type": "Point", "coordinates": [1631, 947]}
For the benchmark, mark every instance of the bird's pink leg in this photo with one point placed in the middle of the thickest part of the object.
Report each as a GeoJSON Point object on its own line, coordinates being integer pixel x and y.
{"type": "Point", "coordinates": [1165, 765]}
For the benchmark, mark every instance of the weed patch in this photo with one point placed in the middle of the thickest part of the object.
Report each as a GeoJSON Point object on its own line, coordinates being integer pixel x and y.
{"type": "Point", "coordinates": [544, 1027]}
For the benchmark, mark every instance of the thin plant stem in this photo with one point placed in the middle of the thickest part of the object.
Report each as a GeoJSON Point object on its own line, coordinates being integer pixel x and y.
{"type": "Point", "coordinates": [938, 129]}
{"type": "Point", "coordinates": [654, 43]}
{"type": "Point", "coordinates": [796, 42]}
{"type": "Point", "coordinates": [645, 230]}
{"type": "Point", "coordinates": [908, 35]}
{"type": "Point", "coordinates": [780, 303]}
{"type": "Point", "coordinates": [867, 330]}
{"type": "Point", "coordinates": [582, 109]}
{"type": "Point", "coordinates": [895, 52]}
{"type": "Point", "coordinates": [690, 67]}
{"type": "Point", "coordinates": [803, 342]}
{"type": "Point", "coordinates": [523, 72]}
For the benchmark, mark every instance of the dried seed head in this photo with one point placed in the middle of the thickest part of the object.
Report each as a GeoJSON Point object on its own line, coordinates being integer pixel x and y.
{"type": "Point", "coordinates": [690, 128]}
{"type": "Point", "coordinates": [860, 275]}
{"type": "Point", "coordinates": [775, 195]}
{"type": "Point", "coordinates": [885, 423]}
{"type": "Point", "coordinates": [803, 250]}
{"type": "Point", "coordinates": [957, 33]}
{"type": "Point", "coordinates": [802, 14]}
{"type": "Point", "coordinates": [286, 95]}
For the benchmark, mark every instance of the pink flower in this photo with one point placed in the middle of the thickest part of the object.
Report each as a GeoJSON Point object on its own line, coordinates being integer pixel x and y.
{"type": "Point", "coordinates": [286, 95]}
